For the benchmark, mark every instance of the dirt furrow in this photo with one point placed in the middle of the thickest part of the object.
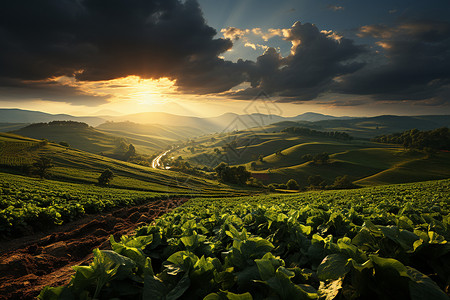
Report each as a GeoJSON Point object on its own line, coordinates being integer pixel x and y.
{"type": "Point", "coordinates": [30, 263]}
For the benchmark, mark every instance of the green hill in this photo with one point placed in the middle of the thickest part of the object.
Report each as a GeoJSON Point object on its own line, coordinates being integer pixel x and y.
{"type": "Point", "coordinates": [275, 157]}
{"type": "Point", "coordinates": [73, 165]}
{"type": "Point", "coordinates": [84, 137]}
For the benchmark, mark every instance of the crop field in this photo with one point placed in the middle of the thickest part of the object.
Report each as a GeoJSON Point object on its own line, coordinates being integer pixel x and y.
{"type": "Point", "coordinates": [34, 204]}
{"type": "Point", "coordinates": [388, 242]}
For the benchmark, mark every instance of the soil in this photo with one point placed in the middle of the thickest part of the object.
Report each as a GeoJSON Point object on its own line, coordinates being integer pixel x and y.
{"type": "Point", "coordinates": [29, 263]}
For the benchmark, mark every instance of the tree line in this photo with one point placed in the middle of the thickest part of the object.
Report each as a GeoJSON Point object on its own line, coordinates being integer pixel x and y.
{"type": "Point", "coordinates": [316, 133]}
{"type": "Point", "coordinates": [436, 139]}
{"type": "Point", "coordinates": [71, 124]}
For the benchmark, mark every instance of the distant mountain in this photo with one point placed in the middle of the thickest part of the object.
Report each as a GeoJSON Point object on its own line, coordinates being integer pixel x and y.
{"type": "Point", "coordinates": [15, 115]}
{"type": "Point", "coordinates": [373, 126]}
{"type": "Point", "coordinates": [130, 129]}
{"type": "Point", "coordinates": [314, 117]}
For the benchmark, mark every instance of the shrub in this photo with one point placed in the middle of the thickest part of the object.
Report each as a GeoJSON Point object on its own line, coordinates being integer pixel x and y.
{"type": "Point", "coordinates": [292, 185]}
{"type": "Point", "coordinates": [105, 177]}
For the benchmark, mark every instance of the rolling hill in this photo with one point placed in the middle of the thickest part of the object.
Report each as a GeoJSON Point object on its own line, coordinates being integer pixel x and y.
{"type": "Point", "coordinates": [275, 157]}
{"type": "Point", "coordinates": [87, 138]}
{"type": "Point", "coordinates": [73, 165]}
{"type": "Point", "coordinates": [15, 115]}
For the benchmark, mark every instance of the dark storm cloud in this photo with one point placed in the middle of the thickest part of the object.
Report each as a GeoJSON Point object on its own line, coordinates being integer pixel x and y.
{"type": "Point", "coordinates": [93, 40]}
{"type": "Point", "coordinates": [316, 58]}
{"type": "Point", "coordinates": [50, 90]}
{"type": "Point", "coordinates": [107, 39]}
{"type": "Point", "coordinates": [414, 63]}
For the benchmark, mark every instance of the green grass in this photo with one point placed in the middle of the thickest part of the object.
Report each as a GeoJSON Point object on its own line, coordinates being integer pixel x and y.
{"type": "Point", "coordinates": [365, 162]}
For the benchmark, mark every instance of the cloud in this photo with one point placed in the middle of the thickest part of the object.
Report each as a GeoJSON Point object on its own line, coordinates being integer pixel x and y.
{"type": "Point", "coordinates": [88, 41]}
{"type": "Point", "coordinates": [335, 7]}
{"type": "Point", "coordinates": [50, 90]}
{"type": "Point", "coordinates": [92, 41]}
{"type": "Point", "coordinates": [316, 58]}
{"type": "Point", "coordinates": [413, 64]}
{"type": "Point", "coordinates": [255, 46]}
{"type": "Point", "coordinates": [270, 33]}
{"type": "Point", "coordinates": [234, 33]}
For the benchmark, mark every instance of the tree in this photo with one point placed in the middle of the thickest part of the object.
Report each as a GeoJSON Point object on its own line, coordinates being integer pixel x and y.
{"type": "Point", "coordinates": [41, 166]}
{"type": "Point", "coordinates": [316, 182]}
{"type": "Point", "coordinates": [292, 185]}
{"type": "Point", "coordinates": [105, 177]}
{"type": "Point", "coordinates": [307, 157]}
{"type": "Point", "coordinates": [321, 158]}
{"type": "Point", "coordinates": [64, 144]}
{"type": "Point", "coordinates": [237, 175]}
{"type": "Point", "coordinates": [131, 152]}
{"type": "Point", "coordinates": [342, 182]}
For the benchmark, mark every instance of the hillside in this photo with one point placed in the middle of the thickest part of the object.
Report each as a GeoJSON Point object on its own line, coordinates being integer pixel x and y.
{"type": "Point", "coordinates": [77, 166]}
{"type": "Point", "coordinates": [15, 115]}
{"type": "Point", "coordinates": [167, 133]}
{"type": "Point", "coordinates": [373, 126]}
{"type": "Point", "coordinates": [361, 127]}
{"type": "Point", "coordinates": [275, 157]}
{"type": "Point", "coordinates": [93, 140]}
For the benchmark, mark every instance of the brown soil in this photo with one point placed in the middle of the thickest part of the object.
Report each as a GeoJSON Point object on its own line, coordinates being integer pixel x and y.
{"type": "Point", "coordinates": [29, 263]}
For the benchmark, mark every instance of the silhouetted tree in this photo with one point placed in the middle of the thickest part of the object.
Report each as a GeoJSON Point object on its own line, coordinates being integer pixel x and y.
{"type": "Point", "coordinates": [105, 177]}
{"type": "Point", "coordinates": [41, 166]}
{"type": "Point", "coordinates": [342, 182]}
{"type": "Point", "coordinates": [238, 175]}
{"type": "Point", "coordinates": [316, 182]}
{"type": "Point", "coordinates": [131, 152]}
{"type": "Point", "coordinates": [292, 185]}
{"type": "Point", "coordinates": [321, 158]}
{"type": "Point", "coordinates": [64, 144]}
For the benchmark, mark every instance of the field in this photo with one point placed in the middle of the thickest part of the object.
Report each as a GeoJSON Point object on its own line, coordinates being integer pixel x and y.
{"type": "Point", "coordinates": [275, 157]}
{"type": "Point", "coordinates": [73, 165]}
{"type": "Point", "coordinates": [388, 242]}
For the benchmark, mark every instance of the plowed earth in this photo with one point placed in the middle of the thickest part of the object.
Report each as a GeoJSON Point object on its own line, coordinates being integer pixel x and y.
{"type": "Point", "coordinates": [28, 264]}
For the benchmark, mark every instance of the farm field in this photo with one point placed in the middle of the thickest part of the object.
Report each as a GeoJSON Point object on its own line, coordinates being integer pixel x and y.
{"type": "Point", "coordinates": [387, 242]}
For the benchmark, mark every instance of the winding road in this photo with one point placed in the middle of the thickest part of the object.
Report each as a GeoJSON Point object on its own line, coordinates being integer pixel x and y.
{"type": "Point", "coordinates": [156, 163]}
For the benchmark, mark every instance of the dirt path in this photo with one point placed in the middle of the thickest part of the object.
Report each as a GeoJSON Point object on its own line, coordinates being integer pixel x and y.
{"type": "Point", "coordinates": [30, 263]}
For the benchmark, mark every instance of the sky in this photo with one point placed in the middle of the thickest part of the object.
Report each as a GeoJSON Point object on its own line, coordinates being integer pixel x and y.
{"type": "Point", "coordinates": [208, 57]}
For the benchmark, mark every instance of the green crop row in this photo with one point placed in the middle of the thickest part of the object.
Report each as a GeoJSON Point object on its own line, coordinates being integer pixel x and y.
{"type": "Point", "coordinates": [388, 242]}
{"type": "Point", "coordinates": [31, 203]}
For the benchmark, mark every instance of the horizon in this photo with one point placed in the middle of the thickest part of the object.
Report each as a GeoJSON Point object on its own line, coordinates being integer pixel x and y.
{"type": "Point", "coordinates": [215, 116]}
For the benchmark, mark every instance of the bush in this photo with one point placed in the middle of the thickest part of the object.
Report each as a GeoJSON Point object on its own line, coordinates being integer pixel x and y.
{"type": "Point", "coordinates": [342, 182]}
{"type": "Point", "coordinates": [316, 182]}
{"type": "Point", "coordinates": [238, 175]}
{"type": "Point", "coordinates": [41, 167]}
{"type": "Point", "coordinates": [64, 144]}
{"type": "Point", "coordinates": [292, 185]}
{"type": "Point", "coordinates": [105, 177]}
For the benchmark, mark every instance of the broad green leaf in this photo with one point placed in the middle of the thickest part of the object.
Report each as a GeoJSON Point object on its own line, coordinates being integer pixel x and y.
{"type": "Point", "coordinates": [154, 289]}
{"type": "Point", "coordinates": [422, 287]}
{"type": "Point", "coordinates": [281, 283]}
{"type": "Point", "coordinates": [333, 267]}
{"type": "Point", "coordinates": [180, 288]}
